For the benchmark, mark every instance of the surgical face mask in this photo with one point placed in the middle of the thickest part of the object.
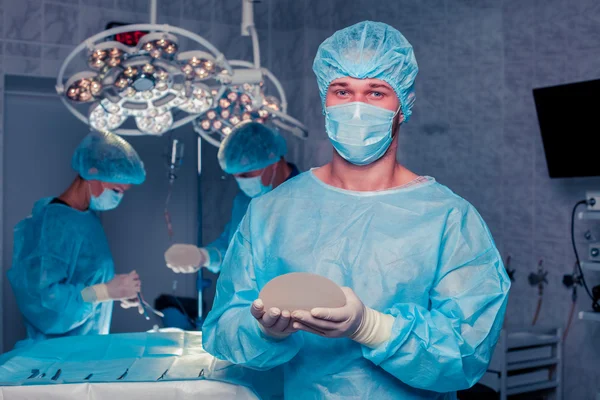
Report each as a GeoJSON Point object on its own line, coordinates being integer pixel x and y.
{"type": "Point", "coordinates": [108, 200]}
{"type": "Point", "coordinates": [253, 187]}
{"type": "Point", "coordinates": [360, 133]}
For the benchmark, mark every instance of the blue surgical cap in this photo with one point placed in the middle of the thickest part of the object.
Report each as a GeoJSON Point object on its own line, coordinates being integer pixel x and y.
{"type": "Point", "coordinates": [106, 157]}
{"type": "Point", "coordinates": [369, 50]}
{"type": "Point", "coordinates": [249, 147]}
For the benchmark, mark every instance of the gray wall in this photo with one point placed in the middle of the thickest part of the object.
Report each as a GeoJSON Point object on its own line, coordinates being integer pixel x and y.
{"type": "Point", "coordinates": [474, 126]}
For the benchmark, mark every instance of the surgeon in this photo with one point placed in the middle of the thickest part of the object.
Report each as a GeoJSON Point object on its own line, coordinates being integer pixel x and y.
{"type": "Point", "coordinates": [425, 286]}
{"type": "Point", "coordinates": [62, 271]}
{"type": "Point", "coordinates": [254, 154]}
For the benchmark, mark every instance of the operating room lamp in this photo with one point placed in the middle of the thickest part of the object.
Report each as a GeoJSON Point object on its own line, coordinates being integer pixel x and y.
{"type": "Point", "coordinates": [160, 86]}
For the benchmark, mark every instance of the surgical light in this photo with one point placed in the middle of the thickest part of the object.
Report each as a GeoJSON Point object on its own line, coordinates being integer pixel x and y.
{"type": "Point", "coordinates": [151, 82]}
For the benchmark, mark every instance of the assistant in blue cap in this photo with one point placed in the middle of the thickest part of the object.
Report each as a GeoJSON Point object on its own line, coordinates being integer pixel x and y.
{"type": "Point", "coordinates": [425, 286]}
{"type": "Point", "coordinates": [254, 154]}
{"type": "Point", "coordinates": [62, 271]}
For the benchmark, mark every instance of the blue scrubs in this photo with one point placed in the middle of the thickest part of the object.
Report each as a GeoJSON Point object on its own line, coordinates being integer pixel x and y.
{"type": "Point", "coordinates": [58, 251]}
{"type": "Point", "coordinates": [218, 248]}
{"type": "Point", "coordinates": [421, 254]}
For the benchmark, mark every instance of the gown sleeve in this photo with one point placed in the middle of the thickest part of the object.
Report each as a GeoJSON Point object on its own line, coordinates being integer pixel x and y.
{"type": "Point", "coordinates": [447, 346]}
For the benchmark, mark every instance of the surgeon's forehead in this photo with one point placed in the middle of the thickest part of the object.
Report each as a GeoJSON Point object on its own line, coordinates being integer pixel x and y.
{"type": "Point", "coordinates": [348, 82]}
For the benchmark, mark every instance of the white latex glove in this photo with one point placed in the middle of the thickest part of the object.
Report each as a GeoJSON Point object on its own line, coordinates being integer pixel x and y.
{"type": "Point", "coordinates": [124, 286]}
{"type": "Point", "coordinates": [185, 258]}
{"type": "Point", "coordinates": [333, 322]}
{"type": "Point", "coordinates": [273, 322]}
{"type": "Point", "coordinates": [361, 324]}
{"type": "Point", "coordinates": [130, 303]}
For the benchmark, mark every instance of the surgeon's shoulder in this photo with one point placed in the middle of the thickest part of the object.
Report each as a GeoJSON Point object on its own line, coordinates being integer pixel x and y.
{"type": "Point", "coordinates": [62, 218]}
{"type": "Point", "coordinates": [445, 197]}
{"type": "Point", "coordinates": [459, 209]}
{"type": "Point", "coordinates": [295, 187]}
{"type": "Point", "coordinates": [282, 196]}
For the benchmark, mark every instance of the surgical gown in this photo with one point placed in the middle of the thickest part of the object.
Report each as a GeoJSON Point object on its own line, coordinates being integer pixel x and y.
{"type": "Point", "coordinates": [421, 254]}
{"type": "Point", "coordinates": [218, 248]}
{"type": "Point", "coordinates": [58, 251]}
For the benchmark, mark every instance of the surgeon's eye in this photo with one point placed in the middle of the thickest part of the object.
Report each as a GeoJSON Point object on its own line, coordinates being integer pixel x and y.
{"type": "Point", "coordinates": [342, 93]}
{"type": "Point", "coordinates": [377, 95]}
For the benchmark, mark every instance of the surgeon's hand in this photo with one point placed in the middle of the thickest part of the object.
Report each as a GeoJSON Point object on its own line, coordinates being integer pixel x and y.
{"type": "Point", "coordinates": [273, 322]}
{"type": "Point", "coordinates": [124, 286]}
{"type": "Point", "coordinates": [133, 302]}
{"type": "Point", "coordinates": [185, 258]}
{"type": "Point", "coordinates": [332, 322]}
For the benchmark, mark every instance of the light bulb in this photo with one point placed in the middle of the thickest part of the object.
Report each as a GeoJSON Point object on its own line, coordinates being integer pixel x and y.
{"type": "Point", "coordinates": [245, 99]}
{"type": "Point", "coordinates": [162, 75]}
{"type": "Point", "coordinates": [187, 69]}
{"type": "Point", "coordinates": [85, 83]}
{"type": "Point", "coordinates": [112, 108]}
{"type": "Point", "coordinates": [155, 53]}
{"type": "Point", "coordinates": [148, 46]}
{"type": "Point", "coordinates": [121, 83]}
{"type": "Point", "coordinates": [73, 93]}
{"type": "Point", "coordinates": [194, 61]}
{"type": "Point", "coordinates": [115, 53]}
{"type": "Point", "coordinates": [130, 72]}
{"type": "Point", "coordinates": [96, 63]}
{"type": "Point", "coordinates": [201, 73]}
{"type": "Point", "coordinates": [148, 68]}
{"type": "Point", "coordinates": [234, 120]}
{"type": "Point", "coordinates": [205, 124]}
{"type": "Point", "coordinates": [152, 112]}
{"type": "Point", "coordinates": [246, 116]}
{"type": "Point", "coordinates": [85, 95]}
{"type": "Point", "coordinates": [99, 54]}
{"type": "Point", "coordinates": [226, 130]}
{"type": "Point", "coordinates": [171, 49]}
{"type": "Point", "coordinates": [114, 119]}
{"type": "Point", "coordinates": [101, 123]}
{"type": "Point", "coordinates": [147, 95]}
{"type": "Point", "coordinates": [224, 103]}
{"type": "Point", "coordinates": [209, 65]}
{"type": "Point", "coordinates": [263, 113]}
{"type": "Point", "coordinates": [130, 92]}
{"type": "Point", "coordinates": [96, 88]}
{"type": "Point", "coordinates": [162, 43]}
{"type": "Point", "coordinates": [217, 124]}
{"type": "Point", "coordinates": [225, 114]}
{"type": "Point", "coordinates": [113, 62]}
{"type": "Point", "coordinates": [211, 114]}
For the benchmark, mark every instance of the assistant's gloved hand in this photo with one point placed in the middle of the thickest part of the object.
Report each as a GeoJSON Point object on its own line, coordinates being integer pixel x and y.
{"type": "Point", "coordinates": [361, 324]}
{"type": "Point", "coordinates": [185, 258]}
{"type": "Point", "coordinates": [133, 302]}
{"type": "Point", "coordinates": [124, 286]}
{"type": "Point", "coordinates": [273, 322]}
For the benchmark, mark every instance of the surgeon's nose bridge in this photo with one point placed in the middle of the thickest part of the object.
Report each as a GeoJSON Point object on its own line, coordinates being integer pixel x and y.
{"type": "Point", "coordinates": [361, 96]}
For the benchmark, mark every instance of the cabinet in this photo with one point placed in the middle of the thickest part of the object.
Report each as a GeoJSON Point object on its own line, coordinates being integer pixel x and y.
{"type": "Point", "coordinates": [526, 362]}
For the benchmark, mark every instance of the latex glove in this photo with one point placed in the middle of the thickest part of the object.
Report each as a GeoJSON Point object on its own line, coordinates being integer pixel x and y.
{"type": "Point", "coordinates": [333, 322]}
{"type": "Point", "coordinates": [361, 324]}
{"type": "Point", "coordinates": [185, 258]}
{"type": "Point", "coordinates": [273, 322]}
{"type": "Point", "coordinates": [124, 286]}
{"type": "Point", "coordinates": [133, 302]}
